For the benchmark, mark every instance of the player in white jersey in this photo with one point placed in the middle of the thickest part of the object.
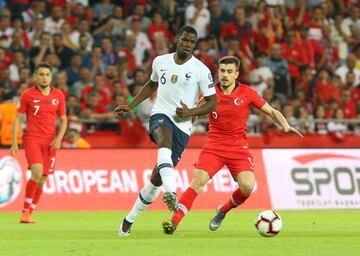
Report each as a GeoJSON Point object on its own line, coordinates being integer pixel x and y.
{"type": "Point", "coordinates": [179, 78]}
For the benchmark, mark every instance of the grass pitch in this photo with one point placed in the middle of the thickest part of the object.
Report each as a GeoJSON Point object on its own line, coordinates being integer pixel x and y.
{"type": "Point", "coordinates": [95, 233]}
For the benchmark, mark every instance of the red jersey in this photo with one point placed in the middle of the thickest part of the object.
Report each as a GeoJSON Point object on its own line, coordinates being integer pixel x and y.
{"type": "Point", "coordinates": [228, 123]}
{"type": "Point", "coordinates": [41, 111]}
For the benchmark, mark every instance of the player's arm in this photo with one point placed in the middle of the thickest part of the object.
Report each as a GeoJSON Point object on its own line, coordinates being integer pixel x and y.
{"type": "Point", "coordinates": [207, 105]}
{"type": "Point", "coordinates": [279, 118]}
{"type": "Point", "coordinates": [148, 89]}
{"type": "Point", "coordinates": [60, 135]}
{"type": "Point", "coordinates": [14, 145]}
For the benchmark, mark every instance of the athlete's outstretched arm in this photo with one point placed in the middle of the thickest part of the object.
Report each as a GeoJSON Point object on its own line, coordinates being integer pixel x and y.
{"type": "Point", "coordinates": [14, 145]}
{"type": "Point", "coordinates": [148, 89]}
{"type": "Point", "coordinates": [279, 118]}
{"type": "Point", "coordinates": [201, 109]}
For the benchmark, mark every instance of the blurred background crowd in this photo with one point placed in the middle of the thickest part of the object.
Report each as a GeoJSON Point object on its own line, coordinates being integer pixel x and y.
{"type": "Point", "coordinates": [302, 56]}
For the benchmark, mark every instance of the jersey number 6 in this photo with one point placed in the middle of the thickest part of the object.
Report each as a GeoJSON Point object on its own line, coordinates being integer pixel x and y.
{"type": "Point", "coordinates": [163, 79]}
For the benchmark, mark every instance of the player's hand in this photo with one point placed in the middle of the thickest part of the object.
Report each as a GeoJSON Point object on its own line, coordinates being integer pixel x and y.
{"type": "Point", "coordinates": [294, 131]}
{"type": "Point", "coordinates": [55, 144]}
{"type": "Point", "coordinates": [121, 110]}
{"type": "Point", "coordinates": [14, 149]}
{"type": "Point", "coordinates": [183, 111]}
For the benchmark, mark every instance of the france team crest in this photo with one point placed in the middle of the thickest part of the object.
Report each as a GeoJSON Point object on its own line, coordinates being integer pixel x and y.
{"type": "Point", "coordinates": [174, 79]}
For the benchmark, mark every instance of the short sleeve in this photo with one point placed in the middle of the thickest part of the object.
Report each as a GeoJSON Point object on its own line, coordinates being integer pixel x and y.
{"type": "Point", "coordinates": [206, 83]}
{"type": "Point", "coordinates": [62, 108]}
{"type": "Point", "coordinates": [154, 76]}
{"type": "Point", "coordinates": [256, 99]}
{"type": "Point", "coordinates": [23, 103]}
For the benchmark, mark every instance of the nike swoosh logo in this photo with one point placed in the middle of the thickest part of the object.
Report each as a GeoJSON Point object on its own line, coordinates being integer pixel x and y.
{"type": "Point", "coordinates": [162, 70]}
{"type": "Point", "coordinates": [35, 101]}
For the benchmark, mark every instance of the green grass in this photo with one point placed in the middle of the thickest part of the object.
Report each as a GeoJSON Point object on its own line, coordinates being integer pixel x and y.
{"type": "Point", "coordinates": [94, 233]}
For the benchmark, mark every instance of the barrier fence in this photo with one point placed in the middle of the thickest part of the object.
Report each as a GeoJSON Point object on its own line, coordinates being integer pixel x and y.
{"type": "Point", "coordinates": [110, 179]}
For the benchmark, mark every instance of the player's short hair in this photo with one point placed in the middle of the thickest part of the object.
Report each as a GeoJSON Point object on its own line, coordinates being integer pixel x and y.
{"type": "Point", "coordinates": [43, 65]}
{"type": "Point", "coordinates": [229, 60]}
{"type": "Point", "coordinates": [188, 29]}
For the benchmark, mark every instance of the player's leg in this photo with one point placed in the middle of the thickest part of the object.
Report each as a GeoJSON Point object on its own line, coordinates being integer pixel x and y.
{"type": "Point", "coordinates": [242, 170]}
{"type": "Point", "coordinates": [163, 139]}
{"type": "Point", "coordinates": [147, 195]}
{"type": "Point", "coordinates": [207, 166]}
{"type": "Point", "coordinates": [49, 160]}
{"type": "Point", "coordinates": [34, 157]}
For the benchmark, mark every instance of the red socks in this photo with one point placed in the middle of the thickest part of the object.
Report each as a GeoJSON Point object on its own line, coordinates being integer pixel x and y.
{"type": "Point", "coordinates": [185, 204]}
{"type": "Point", "coordinates": [236, 199]}
{"type": "Point", "coordinates": [29, 193]}
{"type": "Point", "coordinates": [36, 198]}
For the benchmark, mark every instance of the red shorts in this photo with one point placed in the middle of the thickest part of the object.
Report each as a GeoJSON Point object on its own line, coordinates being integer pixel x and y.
{"type": "Point", "coordinates": [212, 163]}
{"type": "Point", "coordinates": [39, 153]}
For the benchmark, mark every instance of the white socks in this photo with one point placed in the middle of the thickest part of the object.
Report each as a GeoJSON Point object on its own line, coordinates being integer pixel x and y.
{"type": "Point", "coordinates": [166, 169]}
{"type": "Point", "coordinates": [147, 195]}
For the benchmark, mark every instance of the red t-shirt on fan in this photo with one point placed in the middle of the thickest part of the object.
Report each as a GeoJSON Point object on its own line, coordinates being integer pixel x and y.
{"type": "Point", "coordinates": [228, 123]}
{"type": "Point", "coordinates": [41, 111]}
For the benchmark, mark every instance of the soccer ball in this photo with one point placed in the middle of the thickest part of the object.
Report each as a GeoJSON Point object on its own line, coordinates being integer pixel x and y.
{"type": "Point", "coordinates": [268, 223]}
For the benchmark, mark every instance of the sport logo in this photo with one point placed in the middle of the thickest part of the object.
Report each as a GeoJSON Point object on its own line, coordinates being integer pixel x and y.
{"type": "Point", "coordinates": [55, 102]}
{"type": "Point", "coordinates": [188, 76]}
{"type": "Point", "coordinates": [36, 101]}
{"type": "Point", "coordinates": [174, 79]}
{"type": "Point", "coordinates": [10, 180]}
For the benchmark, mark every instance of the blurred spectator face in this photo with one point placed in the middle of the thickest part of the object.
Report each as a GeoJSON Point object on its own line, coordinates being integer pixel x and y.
{"type": "Point", "coordinates": [24, 74]}
{"type": "Point", "coordinates": [85, 74]}
{"type": "Point", "coordinates": [83, 26]}
{"type": "Point", "coordinates": [17, 38]}
{"type": "Point", "coordinates": [336, 81]}
{"type": "Point", "coordinates": [111, 72]}
{"type": "Point", "coordinates": [215, 7]}
{"type": "Point", "coordinates": [57, 13]}
{"type": "Point", "coordinates": [350, 79]}
{"type": "Point", "coordinates": [118, 12]}
{"type": "Point", "coordinates": [351, 61]}
{"type": "Point", "coordinates": [199, 4]}
{"type": "Point", "coordinates": [355, 12]}
{"type": "Point", "coordinates": [202, 46]}
{"type": "Point", "coordinates": [326, 32]}
{"type": "Point", "coordinates": [4, 22]}
{"type": "Point", "coordinates": [79, 10]}
{"type": "Point", "coordinates": [290, 37]}
{"type": "Point", "coordinates": [5, 75]}
{"type": "Point", "coordinates": [140, 77]}
{"type": "Point", "coordinates": [19, 58]}
{"type": "Point", "coordinates": [98, 83]}
{"type": "Point", "coordinates": [139, 10]}
{"type": "Point", "coordinates": [157, 18]}
{"type": "Point", "coordinates": [130, 42]}
{"type": "Point", "coordinates": [97, 53]}
{"type": "Point", "coordinates": [72, 135]}
{"type": "Point", "coordinates": [93, 100]}
{"type": "Point", "coordinates": [345, 96]}
{"type": "Point", "coordinates": [66, 29]}
{"type": "Point", "coordinates": [276, 51]}
{"type": "Point", "coordinates": [239, 14]}
{"type": "Point", "coordinates": [61, 78]}
{"type": "Point", "coordinates": [106, 45]}
{"type": "Point", "coordinates": [288, 111]}
{"type": "Point", "coordinates": [39, 6]}
{"type": "Point", "coordinates": [320, 112]}
{"type": "Point", "coordinates": [234, 45]}
{"type": "Point", "coordinates": [57, 41]}
{"type": "Point", "coordinates": [136, 24]}
{"type": "Point", "coordinates": [317, 14]}
{"type": "Point", "coordinates": [83, 42]}
{"type": "Point", "coordinates": [259, 61]}
{"type": "Point", "coordinates": [324, 75]}
{"type": "Point", "coordinates": [118, 88]}
{"type": "Point", "coordinates": [76, 61]}
{"type": "Point", "coordinates": [39, 24]}
{"type": "Point", "coordinates": [17, 24]}
{"type": "Point", "coordinates": [338, 114]}
{"type": "Point", "coordinates": [53, 59]}
{"type": "Point", "coordinates": [2, 54]}
{"type": "Point", "coordinates": [120, 100]}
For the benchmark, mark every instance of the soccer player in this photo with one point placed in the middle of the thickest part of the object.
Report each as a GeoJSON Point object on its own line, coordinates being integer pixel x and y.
{"type": "Point", "coordinates": [178, 77]}
{"type": "Point", "coordinates": [40, 104]}
{"type": "Point", "coordinates": [226, 143]}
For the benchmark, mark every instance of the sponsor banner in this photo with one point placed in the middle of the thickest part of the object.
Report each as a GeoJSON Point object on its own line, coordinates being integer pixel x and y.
{"type": "Point", "coordinates": [313, 178]}
{"type": "Point", "coordinates": [110, 179]}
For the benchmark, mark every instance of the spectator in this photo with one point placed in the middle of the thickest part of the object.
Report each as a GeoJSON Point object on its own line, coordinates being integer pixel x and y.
{"type": "Point", "coordinates": [320, 125]}
{"type": "Point", "coordinates": [73, 107]}
{"type": "Point", "coordinates": [73, 139]}
{"type": "Point", "coordinates": [347, 105]}
{"type": "Point", "coordinates": [349, 67]}
{"type": "Point", "coordinates": [55, 21]}
{"type": "Point", "coordinates": [198, 15]}
{"type": "Point", "coordinates": [94, 109]}
{"type": "Point", "coordinates": [103, 10]}
{"type": "Point", "coordinates": [84, 81]}
{"type": "Point", "coordinates": [330, 50]}
{"type": "Point", "coordinates": [261, 77]}
{"type": "Point", "coordinates": [73, 71]}
{"type": "Point", "coordinates": [63, 52]}
{"type": "Point", "coordinates": [7, 88]}
{"type": "Point", "coordinates": [218, 18]}
{"type": "Point", "coordinates": [139, 11]}
{"type": "Point", "coordinates": [37, 53]}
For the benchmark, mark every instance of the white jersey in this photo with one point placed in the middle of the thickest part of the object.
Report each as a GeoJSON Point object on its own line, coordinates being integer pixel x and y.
{"type": "Point", "coordinates": [179, 83]}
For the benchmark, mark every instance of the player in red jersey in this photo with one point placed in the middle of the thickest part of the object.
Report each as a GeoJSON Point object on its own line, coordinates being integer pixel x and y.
{"type": "Point", "coordinates": [226, 143]}
{"type": "Point", "coordinates": [41, 104]}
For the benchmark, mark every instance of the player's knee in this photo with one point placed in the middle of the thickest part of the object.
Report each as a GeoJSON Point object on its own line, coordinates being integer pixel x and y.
{"type": "Point", "coordinates": [246, 188]}
{"type": "Point", "coordinates": [42, 180]}
{"type": "Point", "coordinates": [155, 178]}
{"type": "Point", "coordinates": [199, 181]}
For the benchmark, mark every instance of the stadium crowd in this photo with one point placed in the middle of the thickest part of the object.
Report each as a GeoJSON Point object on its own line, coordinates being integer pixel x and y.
{"type": "Point", "coordinates": [302, 56]}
